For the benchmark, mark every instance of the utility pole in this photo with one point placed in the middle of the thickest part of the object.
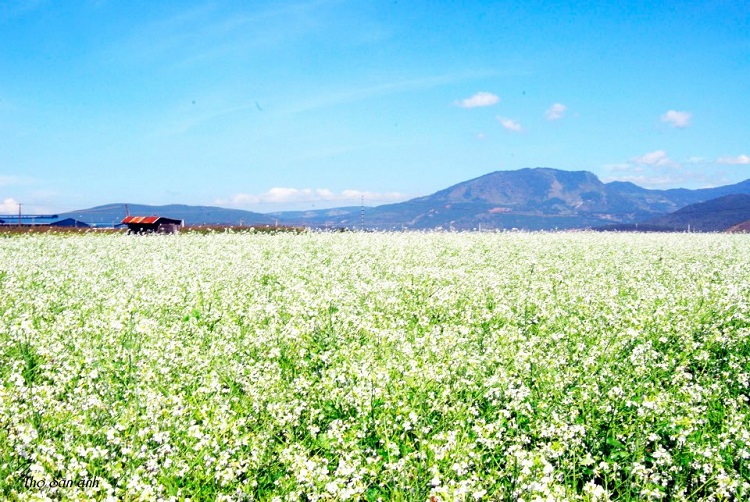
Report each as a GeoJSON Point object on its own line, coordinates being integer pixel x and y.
{"type": "Point", "coordinates": [19, 214]}
{"type": "Point", "coordinates": [362, 213]}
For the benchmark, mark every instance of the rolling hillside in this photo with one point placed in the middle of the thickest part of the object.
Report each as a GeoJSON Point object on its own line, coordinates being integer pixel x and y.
{"type": "Point", "coordinates": [192, 215]}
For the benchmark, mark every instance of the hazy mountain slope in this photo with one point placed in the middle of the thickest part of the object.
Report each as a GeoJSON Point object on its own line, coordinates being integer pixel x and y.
{"type": "Point", "coordinates": [714, 215]}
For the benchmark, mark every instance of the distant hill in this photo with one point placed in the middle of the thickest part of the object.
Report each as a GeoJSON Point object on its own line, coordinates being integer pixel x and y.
{"type": "Point", "coordinates": [110, 214]}
{"type": "Point", "coordinates": [539, 198]}
{"type": "Point", "coordinates": [715, 215]}
{"type": "Point", "coordinates": [335, 217]}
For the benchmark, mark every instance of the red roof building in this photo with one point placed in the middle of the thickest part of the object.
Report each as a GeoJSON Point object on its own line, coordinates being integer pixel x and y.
{"type": "Point", "coordinates": [149, 224]}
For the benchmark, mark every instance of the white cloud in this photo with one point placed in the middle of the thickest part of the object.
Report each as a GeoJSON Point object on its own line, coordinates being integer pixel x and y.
{"type": "Point", "coordinates": [9, 206]}
{"type": "Point", "coordinates": [510, 124]}
{"type": "Point", "coordinates": [479, 99]}
{"type": "Point", "coordinates": [658, 158]}
{"type": "Point", "coordinates": [555, 112]}
{"type": "Point", "coordinates": [677, 119]}
{"type": "Point", "coordinates": [286, 195]}
{"type": "Point", "coordinates": [740, 160]}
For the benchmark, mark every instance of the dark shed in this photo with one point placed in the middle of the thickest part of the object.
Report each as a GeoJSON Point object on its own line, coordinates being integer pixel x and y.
{"type": "Point", "coordinates": [69, 222]}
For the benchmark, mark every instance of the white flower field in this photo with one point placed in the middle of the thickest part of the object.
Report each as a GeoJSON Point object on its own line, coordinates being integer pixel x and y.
{"type": "Point", "coordinates": [367, 366]}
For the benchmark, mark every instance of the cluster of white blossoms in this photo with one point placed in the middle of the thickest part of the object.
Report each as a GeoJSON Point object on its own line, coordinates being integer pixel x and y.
{"type": "Point", "coordinates": [366, 366]}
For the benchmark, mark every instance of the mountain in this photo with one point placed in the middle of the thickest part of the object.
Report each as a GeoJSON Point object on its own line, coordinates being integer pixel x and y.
{"type": "Point", "coordinates": [110, 214]}
{"type": "Point", "coordinates": [715, 215]}
{"type": "Point", "coordinates": [539, 198]}
{"type": "Point", "coordinates": [534, 199]}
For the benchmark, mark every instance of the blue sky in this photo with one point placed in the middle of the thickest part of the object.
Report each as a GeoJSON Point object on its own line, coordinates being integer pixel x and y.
{"type": "Point", "coordinates": [304, 104]}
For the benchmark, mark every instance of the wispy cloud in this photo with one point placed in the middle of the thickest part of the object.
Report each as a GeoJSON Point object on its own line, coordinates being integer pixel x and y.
{"type": "Point", "coordinates": [347, 96]}
{"type": "Point", "coordinates": [740, 160]}
{"type": "Point", "coordinates": [14, 180]}
{"type": "Point", "coordinates": [188, 115]}
{"type": "Point", "coordinates": [286, 195]}
{"type": "Point", "coordinates": [677, 119]}
{"type": "Point", "coordinates": [510, 124]}
{"type": "Point", "coordinates": [555, 112]}
{"type": "Point", "coordinates": [479, 99]}
{"type": "Point", "coordinates": [210, 32]}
